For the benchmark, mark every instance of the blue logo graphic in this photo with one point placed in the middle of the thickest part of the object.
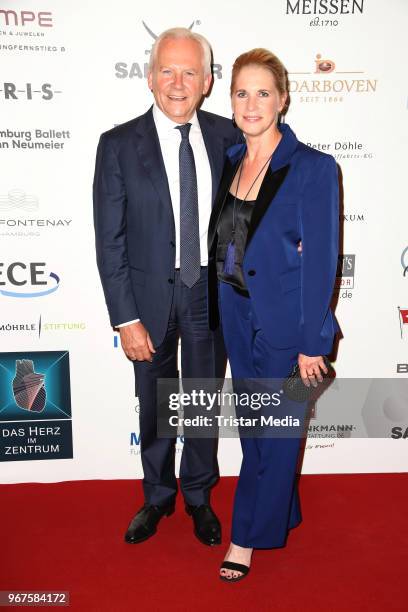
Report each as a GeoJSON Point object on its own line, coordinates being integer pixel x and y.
{"type": "Point", "coordinates": [35, 406]}
{"type": "Point", "coordinates": [32, 294]}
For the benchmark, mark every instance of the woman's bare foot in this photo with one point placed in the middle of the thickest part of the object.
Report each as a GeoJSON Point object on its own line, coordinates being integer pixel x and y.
{"type": "Point", "coordinates": [236, 554]}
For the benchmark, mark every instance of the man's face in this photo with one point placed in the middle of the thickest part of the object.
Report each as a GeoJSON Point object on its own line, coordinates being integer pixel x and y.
{"type": "Point", "coordinates": [177, 79]}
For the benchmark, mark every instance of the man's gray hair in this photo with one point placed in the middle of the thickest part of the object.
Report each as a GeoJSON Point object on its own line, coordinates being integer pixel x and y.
{"type": "Point", "coordinates": [177, 33]}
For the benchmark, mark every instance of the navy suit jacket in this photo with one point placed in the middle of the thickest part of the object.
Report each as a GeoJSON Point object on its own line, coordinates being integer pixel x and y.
{"type": "Point", "coordinates": [290, 292]}
{"type": "Point", "coordinates": [133, 217]}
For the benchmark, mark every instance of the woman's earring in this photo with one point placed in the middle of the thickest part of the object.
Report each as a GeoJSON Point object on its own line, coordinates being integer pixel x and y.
{"type": "Point", "coordinates": [234, 123]}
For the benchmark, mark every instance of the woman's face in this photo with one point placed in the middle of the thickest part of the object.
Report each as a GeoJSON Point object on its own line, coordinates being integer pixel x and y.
{"type": "Point", "coordinates": [255, 100]}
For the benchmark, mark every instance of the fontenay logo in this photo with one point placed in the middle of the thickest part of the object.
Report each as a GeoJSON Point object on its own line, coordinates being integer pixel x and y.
{"type": "Point", "coordinates": [18, 199]}
{"type": "Point", "coordinates": [125, 70]}
{"type": "Point", "coordinates": [25, 280]}
{"type": "Point", "coordinates": [19, 202]}
{"type": "Point", "coordinates": [329, 82]}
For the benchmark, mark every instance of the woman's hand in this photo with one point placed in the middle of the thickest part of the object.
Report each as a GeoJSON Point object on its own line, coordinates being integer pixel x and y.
{"type": "Point", "coordinates": [310, 369]}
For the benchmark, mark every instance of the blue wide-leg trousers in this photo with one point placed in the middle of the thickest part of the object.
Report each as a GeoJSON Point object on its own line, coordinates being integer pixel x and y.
{"type": "Point", "coordinates": [266, 501]}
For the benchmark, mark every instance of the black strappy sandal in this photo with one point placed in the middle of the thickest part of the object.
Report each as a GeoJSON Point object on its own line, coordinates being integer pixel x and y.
{"type": "Point", "coordinates": [235, 567]}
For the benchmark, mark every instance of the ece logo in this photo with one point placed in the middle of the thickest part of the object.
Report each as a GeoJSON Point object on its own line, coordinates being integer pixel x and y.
{"type": "Point", "coordinates": [21, 276]}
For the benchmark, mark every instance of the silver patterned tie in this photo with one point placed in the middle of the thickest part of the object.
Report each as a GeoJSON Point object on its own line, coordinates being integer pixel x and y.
{"type": "Point", "coordinates": [189, 224]}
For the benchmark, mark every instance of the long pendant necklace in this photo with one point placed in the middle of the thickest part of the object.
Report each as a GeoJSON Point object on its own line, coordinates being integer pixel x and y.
{"type": "Point", "coordinates": [229, 262]}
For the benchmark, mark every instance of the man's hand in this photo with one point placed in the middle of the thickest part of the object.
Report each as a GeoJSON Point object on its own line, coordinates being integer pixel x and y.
{"type": "Point", "coordinates": [310, 369]}
{"type": "Point", "coordinates": [136, 342]}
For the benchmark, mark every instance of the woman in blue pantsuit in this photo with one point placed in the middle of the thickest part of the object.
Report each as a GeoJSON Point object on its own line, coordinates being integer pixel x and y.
{"type": "Point", "coordinates": [273, 301]}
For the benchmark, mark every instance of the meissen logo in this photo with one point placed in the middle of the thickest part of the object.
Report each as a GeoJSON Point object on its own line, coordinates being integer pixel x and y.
{"type": "Point", "coordinates": [329, 82]}
{"type": "Point", "coordinates": [326, 8]}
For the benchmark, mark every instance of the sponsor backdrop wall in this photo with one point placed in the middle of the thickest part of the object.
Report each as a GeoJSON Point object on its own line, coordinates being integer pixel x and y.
{"type": "Point", "coordinates": [72, 70]}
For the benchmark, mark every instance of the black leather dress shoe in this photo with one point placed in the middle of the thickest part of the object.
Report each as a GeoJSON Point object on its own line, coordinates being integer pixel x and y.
{"type": "Point", "coordinates": [207, 527]}
{"type": "Point", "coordinates": [144, 523]}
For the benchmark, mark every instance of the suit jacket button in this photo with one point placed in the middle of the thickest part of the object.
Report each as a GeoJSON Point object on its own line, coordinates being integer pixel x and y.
{"type": "Point", "coordinates": [172, 243]}
{"type": "Point", "coordinates": [251, 272]}
{"type": "Point", "coordinates": [171, 281]}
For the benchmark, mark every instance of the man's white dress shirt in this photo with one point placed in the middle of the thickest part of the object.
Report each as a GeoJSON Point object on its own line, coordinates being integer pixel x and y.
{"type": "Point", "coordinates": [169, 139]}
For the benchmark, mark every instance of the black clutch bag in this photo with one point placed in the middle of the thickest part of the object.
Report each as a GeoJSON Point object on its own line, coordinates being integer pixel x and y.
{"type": "Point", "coordinates": [295, 389]}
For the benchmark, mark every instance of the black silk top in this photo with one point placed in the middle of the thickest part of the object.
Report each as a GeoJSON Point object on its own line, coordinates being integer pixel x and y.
{"type": "Point", "coordinates": [243, 213]}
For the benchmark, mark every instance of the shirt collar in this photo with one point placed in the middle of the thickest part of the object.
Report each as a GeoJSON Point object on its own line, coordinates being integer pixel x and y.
{"type": "Point", "coordinates": [164, 125]}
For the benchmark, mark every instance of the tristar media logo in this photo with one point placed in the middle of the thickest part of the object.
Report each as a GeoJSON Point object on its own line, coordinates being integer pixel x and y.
{"type": "Point", "coordinates": [35, 406]}
{"type": "Point", "coordinates": [329, 81]}
{"type": "Point", "coordinates": [326, 12]}
{"type": "Point", "coordinates": [139, 70]}
{"type": "Point", "coordinates": [20, 279]}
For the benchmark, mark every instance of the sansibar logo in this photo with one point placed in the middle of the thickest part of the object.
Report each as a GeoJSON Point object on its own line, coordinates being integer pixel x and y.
{"type": "Point", "coordinates": [125, 70]}
{"type": "Point", "coordinates": [28, 386]}
{"type": "Point", "coordinates": [27, 280]}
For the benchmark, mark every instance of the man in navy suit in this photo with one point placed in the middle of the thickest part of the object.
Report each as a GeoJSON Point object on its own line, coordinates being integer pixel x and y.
{"type": "Point", "coordinates": [155, 180]}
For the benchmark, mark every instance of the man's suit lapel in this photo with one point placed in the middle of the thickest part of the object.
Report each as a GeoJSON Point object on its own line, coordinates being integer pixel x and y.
{"type": "Point", "coordinates": [148, 148]}
{"type": "Point", "coordinates": [214, 144]}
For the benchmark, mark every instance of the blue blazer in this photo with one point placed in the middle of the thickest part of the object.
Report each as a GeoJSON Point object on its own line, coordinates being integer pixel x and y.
{"type": "Point", "coordinates": [290, 292]}
{"type": "Point", "coordinates": [133, 217]}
